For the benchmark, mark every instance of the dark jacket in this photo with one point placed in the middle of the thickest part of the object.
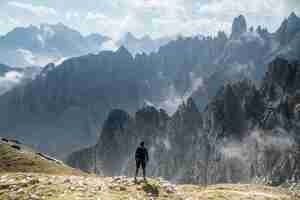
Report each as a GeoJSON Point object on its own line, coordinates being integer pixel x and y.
{"type": "Point", "coordinates": [141, 154]}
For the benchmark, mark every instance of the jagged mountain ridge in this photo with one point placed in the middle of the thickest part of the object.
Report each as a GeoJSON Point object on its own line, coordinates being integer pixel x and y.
{"type": "Point", "coordinates": [235, 140]}
{"type": "Point", "coordinates": [71, 101]}
{"type": "Point", "coordinates": [142, 45]}
{"type": "Point", "coordinates": [247, 52]}
{"type": "Point", "coordinates": [26, 46]}
{"type": "Point", "coordinates": [40, 45]}
{"type": "Point", "coordinates": [79, 95]}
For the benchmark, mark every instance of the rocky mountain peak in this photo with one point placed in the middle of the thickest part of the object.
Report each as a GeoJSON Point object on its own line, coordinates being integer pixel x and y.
{"type": "Point", "coordinates": [129, 37]}
{"type": "Point", "coordinates": [293, 16]}
{"type": "Point", "coordinates": [239, 26]}
{"type": "Point", "coordinates": [151, 116]}
{"type": "Point", "coordinates": [282, 76]}
{"type": "Point", "coordinates": [188, 113]}
{"type": "Point", "coordinates": [288, 29]}
{"type": "Point", "coordinates": [49, 67]}
{"type": "Point", "coordinates": [116, 119]}
{"type": "Point", "coordinates": [123, 52]}
{"type": "Point", "coordinates": [190, 104]}
{"type": "Point", "coordinates": [222, 35]}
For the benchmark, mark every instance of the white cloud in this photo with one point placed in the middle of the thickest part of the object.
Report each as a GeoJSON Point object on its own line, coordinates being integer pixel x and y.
{"type": "Point", "coordinates": [93, 16]}
{"type": "Point", "coordinates": [71, 14]}
{"type": "Point", "coordinates": [9, 80]}
{"type": "Point", "coordinates": [173, 99]}
{"type": "Point", "coordinates": [109, 45]}
{"type": "Point", "coordinates": [13, 76]}
{"type": "Point", "coordinates": [154, 17]}
{"type": "Point", "coordinates": [37, 10]}
{"type": "Point", "coordinates": [27, 55]}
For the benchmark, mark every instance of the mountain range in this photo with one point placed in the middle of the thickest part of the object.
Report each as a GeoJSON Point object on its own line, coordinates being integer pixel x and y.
{"type": "Point", "coordinates": [244, 133]}
{"type": "Point", "coordinates": [142, 45]}
{"type": "Point", "coordinates": [46, 43]}
{"type": "Point", "coordinates": [63, 109]}
{"type": "Point", "coordinates": [39, 45]}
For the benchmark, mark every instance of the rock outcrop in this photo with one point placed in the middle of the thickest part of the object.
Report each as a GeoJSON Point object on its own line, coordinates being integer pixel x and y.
{"type": "Point", "coordinates": [169, 140]}
{"type": "Point", "coordinates": [288, 29]}
{"type": "Point", "coordinates": [239, 27]}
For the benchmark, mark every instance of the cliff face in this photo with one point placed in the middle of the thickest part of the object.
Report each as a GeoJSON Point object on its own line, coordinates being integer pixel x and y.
{"type": "Point", "coordinates": [263, 121]}
{"type": "Point", "coordinates": [245, 132]}
{"type": "Point", "coordinates": [169, 139]}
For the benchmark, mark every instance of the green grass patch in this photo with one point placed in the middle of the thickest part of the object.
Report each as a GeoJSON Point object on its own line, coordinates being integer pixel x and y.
{"type": "Point", "coordinates": [152, 187]}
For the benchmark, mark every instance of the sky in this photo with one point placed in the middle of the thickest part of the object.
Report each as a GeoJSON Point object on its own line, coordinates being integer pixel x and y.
{"type": "Point", "coordinates": [156, 18]}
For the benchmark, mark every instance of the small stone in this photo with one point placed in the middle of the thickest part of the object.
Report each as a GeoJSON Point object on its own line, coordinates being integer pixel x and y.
{"type": "Point", "coordinates": [67, 181]}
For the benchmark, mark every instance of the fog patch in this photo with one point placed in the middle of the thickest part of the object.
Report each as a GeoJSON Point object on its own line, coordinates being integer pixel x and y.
{"type": "Point", "coordinates": [109, 45]}
{"type": "Point", "coordinates": [9, 80]}
{"type": "Point", "coordinates": [252, 37]}
{"type": "Point", "coordinates": [173, 98]}
{"type": "Point", "coordinates": [27, 56]}
{"type": "Point", "coordinates": [258, 140]}
{"type": "Point", "coordinates": [167, 144]}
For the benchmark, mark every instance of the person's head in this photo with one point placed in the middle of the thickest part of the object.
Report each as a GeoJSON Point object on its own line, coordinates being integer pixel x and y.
{"type": "Point", "coordinates": [142, 144]}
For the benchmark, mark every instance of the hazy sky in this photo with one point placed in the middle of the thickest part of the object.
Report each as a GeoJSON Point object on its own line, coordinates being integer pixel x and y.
{"type": "Point", "coordinates": [153, 17]}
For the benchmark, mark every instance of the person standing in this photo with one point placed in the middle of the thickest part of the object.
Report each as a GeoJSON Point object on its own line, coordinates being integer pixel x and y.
{"type": "Point", "coordinates": [141, 159]}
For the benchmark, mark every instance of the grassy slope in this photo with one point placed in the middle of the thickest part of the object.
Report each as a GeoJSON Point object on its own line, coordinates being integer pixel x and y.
{"type": "Point", "coordinates": [24, 174]}
{"type": "Point", "coordinates": [25, 159]}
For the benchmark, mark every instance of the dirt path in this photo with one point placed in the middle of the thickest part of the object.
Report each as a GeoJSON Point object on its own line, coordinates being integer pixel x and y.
{"type": "Point", "coordinates": [238, 192]}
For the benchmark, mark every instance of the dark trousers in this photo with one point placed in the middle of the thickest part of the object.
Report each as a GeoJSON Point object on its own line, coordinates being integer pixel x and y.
{"type": "Point", "coordinates": [140, 163]}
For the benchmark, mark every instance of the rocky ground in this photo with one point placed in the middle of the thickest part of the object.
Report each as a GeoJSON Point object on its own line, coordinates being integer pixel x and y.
{"type": "Point", "coordinates": [29, 175]}
{"type": "Point", "coordinates": [33, 186]}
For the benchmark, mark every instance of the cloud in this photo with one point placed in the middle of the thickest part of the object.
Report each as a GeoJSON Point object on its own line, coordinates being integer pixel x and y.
{"type": "Point", "coordinates": [71, 15]}
{"type": "Point", "coordinates": [173, 99]}
{"type": "Point", "coordinates": [277, 139]}
{"type": "Point", "coordinates": [37, 10]}
{"type": "Point", "coordinates": [93, 16]}
{"type": "Point", "coordinates": [27, 55]}
{"type": "Point", "coordinates": [9, 80]}
{"type": "Point", "coordinates": [154, 17]}
{"type": "Point", "coordinates": [109, 45]}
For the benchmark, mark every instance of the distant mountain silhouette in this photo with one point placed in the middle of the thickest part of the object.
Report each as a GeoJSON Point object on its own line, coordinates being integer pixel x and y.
{"type": "Point", "coordinates": [142, 45]}
{"type": "Point", "coordinates": [39, 45]}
